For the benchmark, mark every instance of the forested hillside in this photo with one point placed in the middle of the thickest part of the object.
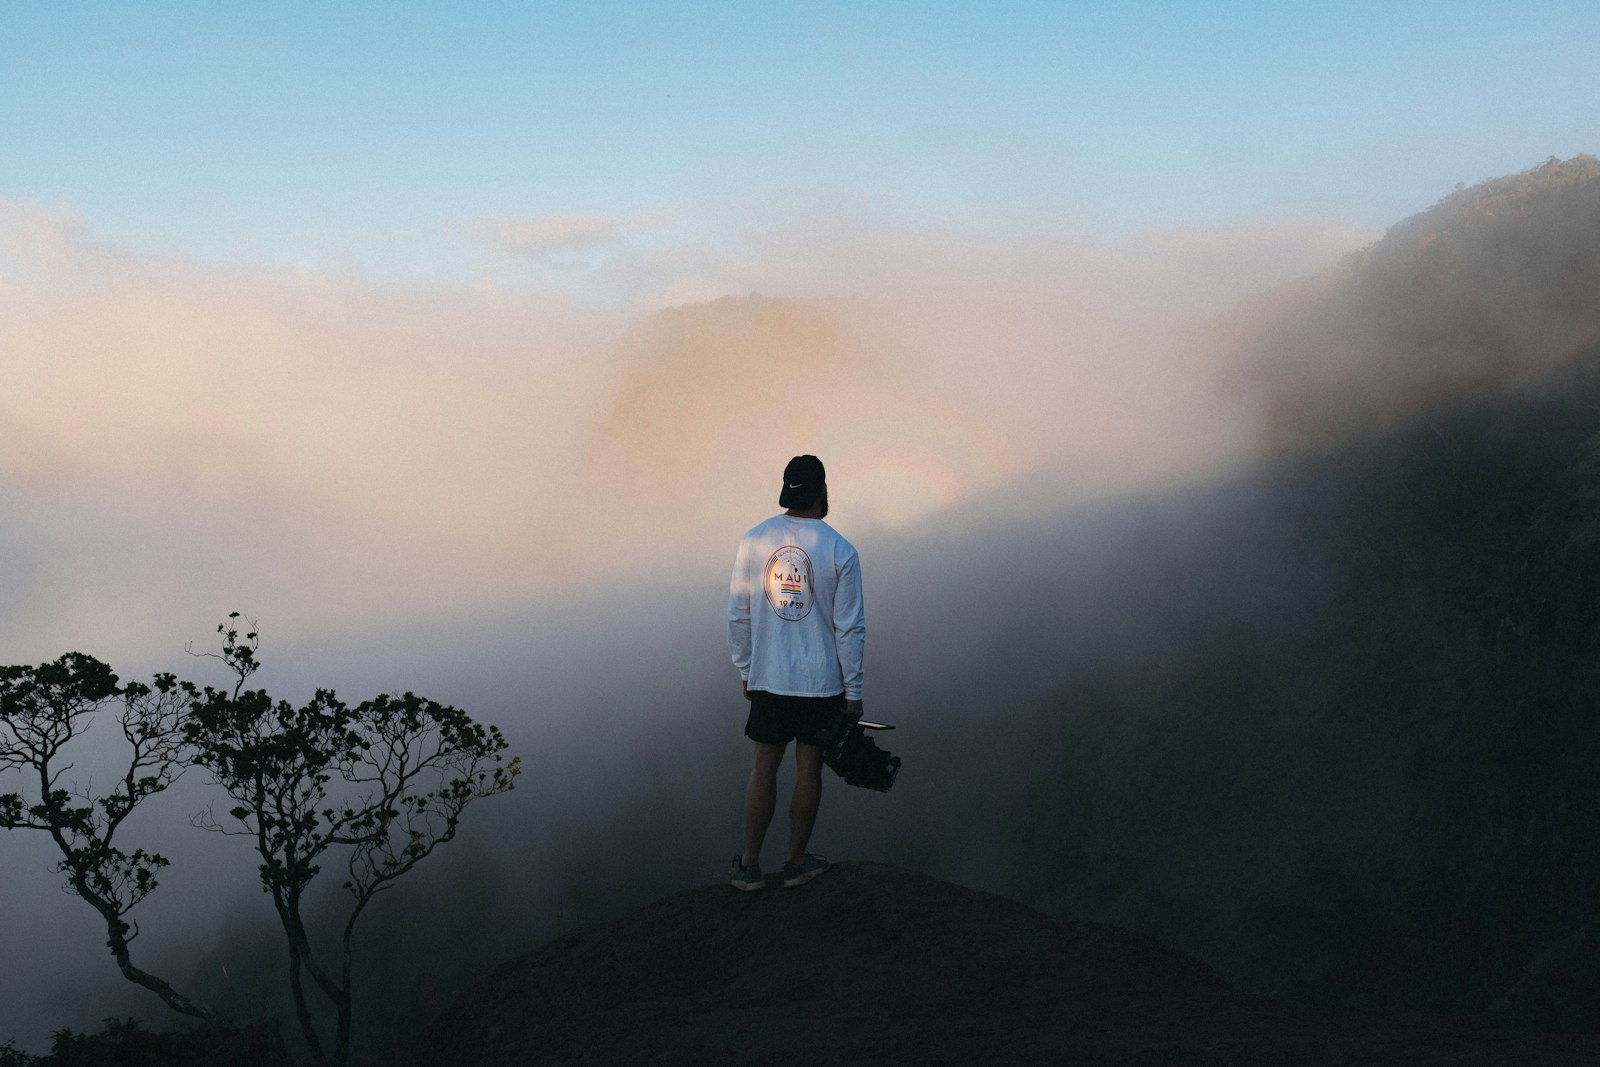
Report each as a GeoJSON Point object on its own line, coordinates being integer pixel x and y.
{"type": "Point", "coordinates": [1388, 796]}
{"type": "Point", "coordinates": [1485, 293]}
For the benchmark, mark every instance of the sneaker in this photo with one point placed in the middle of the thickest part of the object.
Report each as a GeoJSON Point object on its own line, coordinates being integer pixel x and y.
{"type": "Point", "coordinates": [748, 878]}
{"type": "Point", "coordinates": [809, 867]}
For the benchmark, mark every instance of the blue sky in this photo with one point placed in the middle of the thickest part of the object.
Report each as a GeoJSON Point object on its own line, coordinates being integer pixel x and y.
{"type": "Point", "coordinates": [371, 135]}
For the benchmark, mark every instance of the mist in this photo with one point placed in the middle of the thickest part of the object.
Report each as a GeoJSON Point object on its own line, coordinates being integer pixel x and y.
{"type": "Point", "coordinates": [634, 766]}
{"type": "Point", "coordinates": [179, 437]}
{"type": "Point", "coordinates": [1082, 478]}
{"type": "Point", "coordinates": [524, 503]}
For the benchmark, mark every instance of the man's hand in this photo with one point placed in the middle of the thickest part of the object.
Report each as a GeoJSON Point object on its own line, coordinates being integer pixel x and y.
{"type": "Point", "coordinates": [746, 687]}
{"type": "Point", "coordinates": [854, 709]}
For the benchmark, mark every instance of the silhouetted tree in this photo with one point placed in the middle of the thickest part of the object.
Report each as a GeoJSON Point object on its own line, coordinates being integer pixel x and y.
{"type": "Point", "coordinates": [12, 1056]}
{"type": "Point", "coordinates": [43, 710]}
{"type": "Point", "coordinates": [386, 781]}
{"type": "Point", "coordinates": [127, 1043]}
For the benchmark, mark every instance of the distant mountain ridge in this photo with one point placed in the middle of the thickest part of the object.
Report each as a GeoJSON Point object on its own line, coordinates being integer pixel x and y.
{"type": "Point", "coordinates": [1361, 770]}
{"type": "Point", "coordinates": [1481, 295]}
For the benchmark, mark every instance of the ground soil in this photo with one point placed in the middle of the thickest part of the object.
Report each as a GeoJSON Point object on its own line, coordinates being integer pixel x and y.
{"type": "Point", "coordinates": [870, 964]}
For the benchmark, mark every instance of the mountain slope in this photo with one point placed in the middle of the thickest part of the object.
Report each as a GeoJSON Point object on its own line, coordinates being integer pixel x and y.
{"type": "Point", "coordinates": [1481, 295]}
{"type": "Point", "coordinates": [1378, 792]}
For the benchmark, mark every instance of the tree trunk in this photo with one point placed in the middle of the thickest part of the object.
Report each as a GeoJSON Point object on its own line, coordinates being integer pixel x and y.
{"type": "Point", "coordinates": [117, 941]}
{"type": "Point", "coordinates": [171, 997]}
{"type": "Point", "coordinates": [342, 1041]}
{"type": "Point", "coordinates": [302, 1011]}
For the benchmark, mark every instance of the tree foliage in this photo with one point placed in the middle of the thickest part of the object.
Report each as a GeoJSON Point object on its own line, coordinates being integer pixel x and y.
{"type": "Point", "coordinates": [376, 786]}
{"type": "Point", "coordinates": [128, 1043]}
{"type": "Point", "coordinates": [44, 710]}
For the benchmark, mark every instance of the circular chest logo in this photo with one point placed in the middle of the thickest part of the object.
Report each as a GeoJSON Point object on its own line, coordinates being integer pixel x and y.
{"type": "Point", "coordinates": [788, 584]}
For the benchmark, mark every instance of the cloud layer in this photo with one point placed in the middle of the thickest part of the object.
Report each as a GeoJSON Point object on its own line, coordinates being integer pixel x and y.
{"type": "Point", "coordinates": [181, 439]}
{"type": "Point", "coordinates": [337, 457]}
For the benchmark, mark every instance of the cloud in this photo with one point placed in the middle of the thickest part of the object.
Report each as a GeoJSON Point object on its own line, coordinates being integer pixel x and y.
{"type": "Point", "coordinates": [178, 440]}
{"type": "Point", "coordinates": [340, 458]}
{"type": "Point", "coordinates": [550, 236]}
{"type": "Point", "coordinates": [938, 365]}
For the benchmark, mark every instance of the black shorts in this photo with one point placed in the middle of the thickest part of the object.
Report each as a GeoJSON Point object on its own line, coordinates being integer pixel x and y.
{"type": "Point", "coordinates": [777, 720]}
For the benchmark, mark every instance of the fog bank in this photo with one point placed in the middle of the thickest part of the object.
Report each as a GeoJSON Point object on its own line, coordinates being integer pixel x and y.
{"type": "Point", "coordinates": [180, 438]}
{"type": "Point", "coordinates": [525, 505]}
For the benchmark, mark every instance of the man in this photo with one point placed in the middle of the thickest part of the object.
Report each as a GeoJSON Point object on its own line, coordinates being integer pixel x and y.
{"type": "Point", "coordinates": [797, 629]}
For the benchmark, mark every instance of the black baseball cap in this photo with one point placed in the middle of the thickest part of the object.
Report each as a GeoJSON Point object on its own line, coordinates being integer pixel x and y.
{"type": "Point", "coordinates": [802, 482]}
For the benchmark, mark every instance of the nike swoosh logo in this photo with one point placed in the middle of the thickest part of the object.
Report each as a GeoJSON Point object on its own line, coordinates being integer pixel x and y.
{"type": "Point", "coordinates": [796, 485]}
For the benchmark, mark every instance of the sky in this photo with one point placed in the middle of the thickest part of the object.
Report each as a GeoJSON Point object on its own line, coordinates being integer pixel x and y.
{"type": "Point", "coordinates": [390, 139]}
{"type": "Point", "coordinates": [363, 317]}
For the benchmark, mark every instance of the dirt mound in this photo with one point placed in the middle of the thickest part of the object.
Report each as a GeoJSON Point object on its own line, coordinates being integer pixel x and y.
{"type": "Point", "coordinates": [872, 964]}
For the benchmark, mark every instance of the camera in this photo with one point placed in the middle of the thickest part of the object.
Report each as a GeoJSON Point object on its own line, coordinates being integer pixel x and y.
{"type": "Point", "coordinates": [856, 757]}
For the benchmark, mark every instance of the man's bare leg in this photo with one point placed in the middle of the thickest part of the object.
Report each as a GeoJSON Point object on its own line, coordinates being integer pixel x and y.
{"type": "Point", "coordinates": [761, 798]}
{"type": "Point", "coordinates": [807, 797]}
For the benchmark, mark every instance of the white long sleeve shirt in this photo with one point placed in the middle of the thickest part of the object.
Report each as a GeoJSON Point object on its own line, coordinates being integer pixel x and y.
{"type": "Point", "coordinates": [796, 622]}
